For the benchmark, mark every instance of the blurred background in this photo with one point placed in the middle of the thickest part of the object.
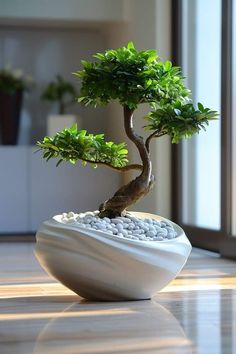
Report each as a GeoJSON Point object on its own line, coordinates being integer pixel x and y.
{"type": "Point", "coordinates": [195, 180]}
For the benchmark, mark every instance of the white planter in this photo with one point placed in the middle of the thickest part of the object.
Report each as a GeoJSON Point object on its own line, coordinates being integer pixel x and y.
{"type": "Point", "coordinates": [57, 122]}
{"type": "Point", "coordinates": [100, 266]}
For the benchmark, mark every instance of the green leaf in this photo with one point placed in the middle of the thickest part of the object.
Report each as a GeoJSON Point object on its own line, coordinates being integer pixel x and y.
{"type": "Point", "coordinates": [168, 65]}
{"type": "Point", "coordinates": [123, 152]}
{"type": "Point", "coordinates": [200, 107]}
{"type": "Point", "coordinates": [81, 99]}
{"type": "Point", "coordinates": [59, 162]}
{"type": "Point", "coordinates": [130, 45]}
{"type": "Point", "coordinates": [151, 58]}
{"type": "Point", "coordinates": [73, 145]}
{"type": "Point", "coordinates": [73, 128]}
{"type": "Point", "coordinates": [99, 56]}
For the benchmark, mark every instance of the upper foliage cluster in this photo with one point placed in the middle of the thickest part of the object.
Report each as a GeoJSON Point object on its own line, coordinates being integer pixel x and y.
{"type": "Point", "coordinates": [131, 77]}
{"type": "Point", "coordinates": [179, 120]}
{"type": "Point", "coordinates": [73, 145]}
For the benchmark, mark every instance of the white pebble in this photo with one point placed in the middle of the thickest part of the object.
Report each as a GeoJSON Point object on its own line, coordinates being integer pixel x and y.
{"type": "Point", "coordinates": [164, 232]}
{"type": "Point", "coordinates": [120, 234]}
{"type": "Point", "coordinates": [159, 238]}
{"type": "Point", "coordinates": [124, 219]}
{"type": "Point", "coordinates": [136, 227]}
{"type": "Point", "coordinates": [170, 236]}
{"type": "Point", "coordinates": [155, 222]}
{"type": "Point", "coordinates": [89, 213]}
{"type": "Point", "coordinates": [148, 221]}
{"type": "Point", "coordinates": [131, 227]}
{"type": "Point", "coordinates": [137, 232]}
{"type": "Point", "coordinates": [119, 227]}
{"type": "Point", "coordinates": [150, 234]}
{"type": "Point", "coordinates": [127, 220]}
{"type": "Point", "coordinates": [125, 226]}
{"type": "Point", "coordinates": [117, 221]}
{"type": "Point", "coordinates": [142, 237]}
{"type": "Point", "coordinates": [158, 229]}
{"type": "Point", "coordinates": [124, 232]}
{"type": "Point", "coordinates": [107, 220]}
{"type": "Point", "coordinates": [102, 227]}
{"type": "Point", "coordinates": [163, 223]}
{"type": "Point", "coordinates": [133, 218]}
{"type": "Point", "coordinates": [140, 224]}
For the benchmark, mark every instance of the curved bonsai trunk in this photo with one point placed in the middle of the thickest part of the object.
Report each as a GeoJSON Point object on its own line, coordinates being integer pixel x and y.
{"type": "Point", "coordinates": [130, 193]}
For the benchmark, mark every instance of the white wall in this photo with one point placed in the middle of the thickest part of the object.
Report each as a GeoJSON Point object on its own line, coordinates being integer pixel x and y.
{"type": "Point", "coordinates": [43, 53]}
{"type": "Point", "coordinates": [62, 10]}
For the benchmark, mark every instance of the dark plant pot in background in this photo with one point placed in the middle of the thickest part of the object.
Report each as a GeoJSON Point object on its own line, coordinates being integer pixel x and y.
{"type": "Point", "coordinates": [10, 108]}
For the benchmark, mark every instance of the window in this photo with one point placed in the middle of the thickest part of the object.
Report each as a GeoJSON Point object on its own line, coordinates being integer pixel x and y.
{"type": "Point", "coordinates": [204, 167]}
{"type": "Point", "coordinates": [234, 121]}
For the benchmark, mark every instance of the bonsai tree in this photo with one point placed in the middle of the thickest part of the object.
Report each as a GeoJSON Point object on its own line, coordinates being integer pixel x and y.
{"type": "Point", "coordinates": [60, 91]}
{"type": "Point", "coordinates": [132, 78]}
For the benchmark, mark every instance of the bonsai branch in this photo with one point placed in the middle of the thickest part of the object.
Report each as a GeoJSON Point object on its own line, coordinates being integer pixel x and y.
{"type": "Point", "coordinates": [155, 134]}
{"type": "Point", "coordinates": [119, 169]}
{"type": "Point", "coordinates": [137, 140]}
{"type": "Point", "coordinates": [130, 193]}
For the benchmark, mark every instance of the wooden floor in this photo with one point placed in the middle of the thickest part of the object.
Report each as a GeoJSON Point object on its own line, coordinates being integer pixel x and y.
{"type": "Point", "coordinates": [196, 313]}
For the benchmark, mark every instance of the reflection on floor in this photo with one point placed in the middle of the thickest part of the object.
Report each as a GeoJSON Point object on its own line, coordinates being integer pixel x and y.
{"type": "Point", "coordinates": [196, 313]}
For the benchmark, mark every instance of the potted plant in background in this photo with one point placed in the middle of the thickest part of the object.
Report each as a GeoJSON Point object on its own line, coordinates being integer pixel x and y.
{"type": "Point", "coordinates": [64, 94]}
{"type": "Point", "coordinates": [114, 254]}
{"type": "Point", "coordinates": [12, 86]}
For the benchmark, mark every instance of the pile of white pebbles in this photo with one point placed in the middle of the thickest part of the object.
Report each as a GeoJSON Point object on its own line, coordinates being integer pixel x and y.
{"type": "Point", "coordinates": [129, 227]}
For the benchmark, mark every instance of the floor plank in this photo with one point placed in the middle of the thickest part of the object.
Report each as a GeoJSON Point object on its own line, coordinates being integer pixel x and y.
{"type": "Point", "coordinates": [196, 313]}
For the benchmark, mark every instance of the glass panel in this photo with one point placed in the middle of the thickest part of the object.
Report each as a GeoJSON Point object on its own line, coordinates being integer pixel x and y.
{"type": "Point", "coordinates": [234, 125]}
{"type": "Point", "coordinates": [201, 154]}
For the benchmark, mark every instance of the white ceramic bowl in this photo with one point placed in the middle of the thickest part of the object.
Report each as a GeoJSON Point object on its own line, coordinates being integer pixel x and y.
{"type": "Point", "coordinates": [100, 266]}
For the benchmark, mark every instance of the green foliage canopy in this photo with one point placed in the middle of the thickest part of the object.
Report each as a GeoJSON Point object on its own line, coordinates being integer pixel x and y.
{"type": "Point", "coordinates": [131, 77]}
{"type": "Point", "coordinates": [179, 120]}
{"type": "Point", "coordinates": [75, 145]}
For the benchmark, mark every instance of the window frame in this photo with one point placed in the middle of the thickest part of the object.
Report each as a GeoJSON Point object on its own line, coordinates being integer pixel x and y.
{"type": "Point", "coordinates": [221, 241]}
